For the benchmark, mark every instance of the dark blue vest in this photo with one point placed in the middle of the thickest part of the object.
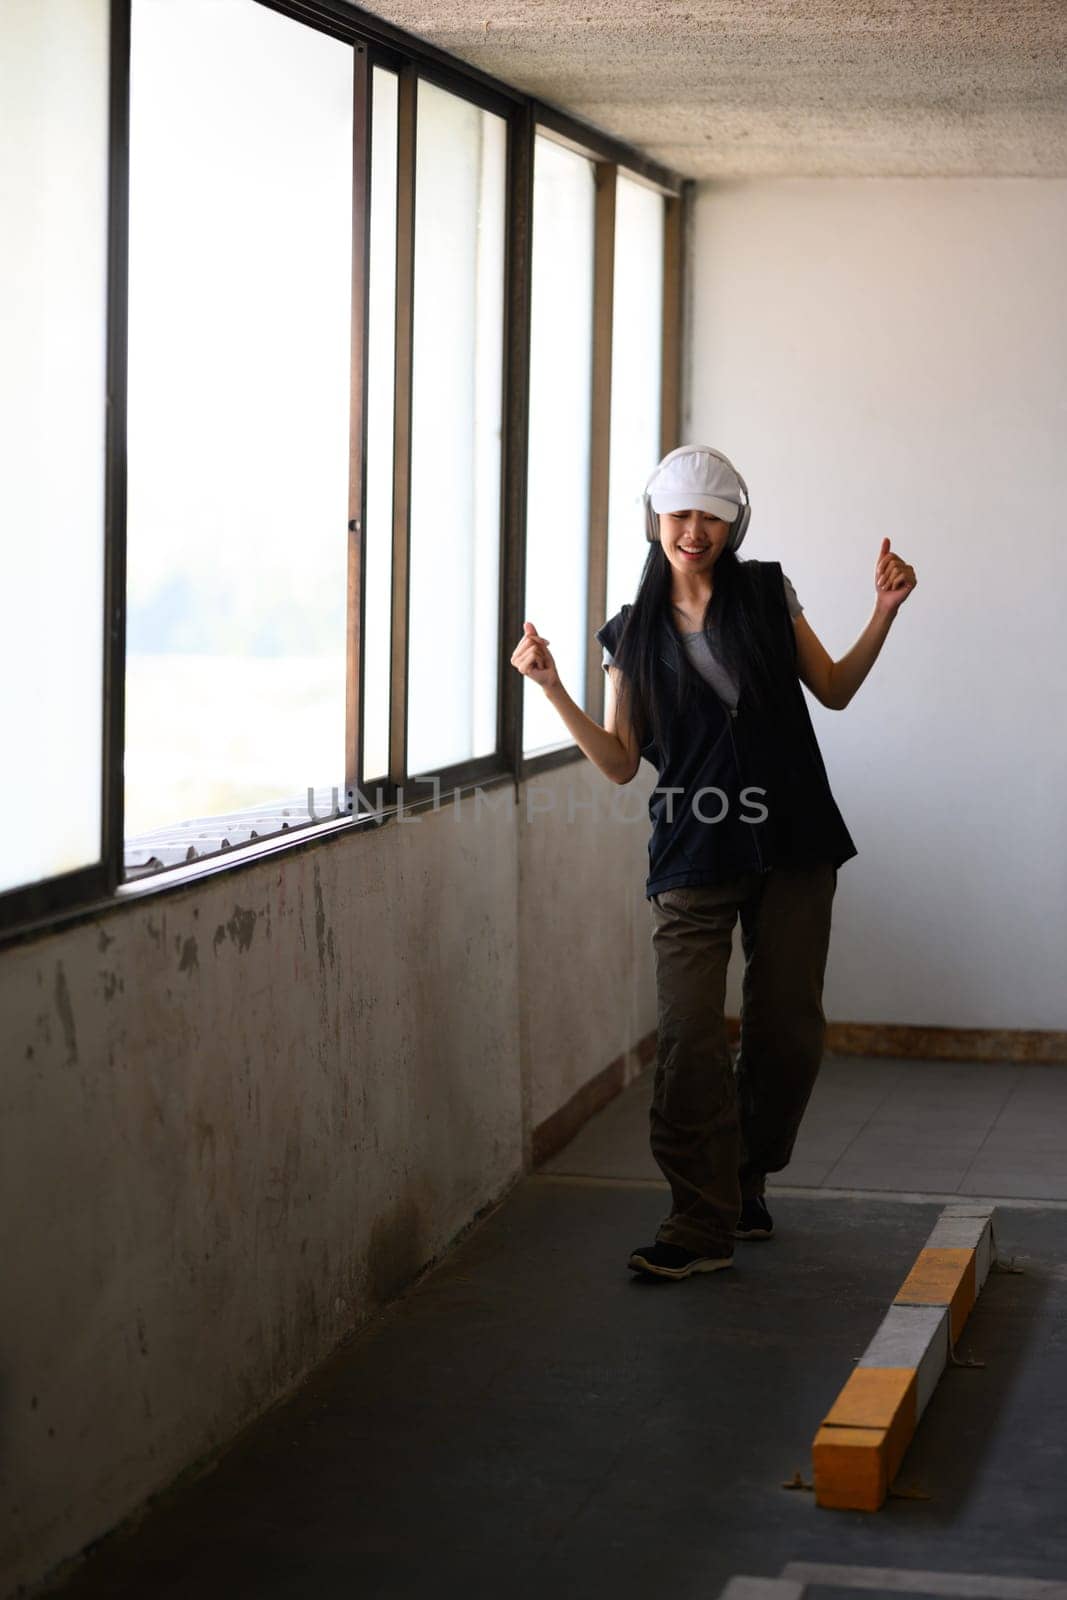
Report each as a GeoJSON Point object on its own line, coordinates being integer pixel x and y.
{"type": "Point", "coordinates": [739, 791]}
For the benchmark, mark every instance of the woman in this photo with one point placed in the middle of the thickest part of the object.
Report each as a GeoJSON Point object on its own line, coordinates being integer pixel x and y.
{"type": "Point", "coordinates": [704, 674]}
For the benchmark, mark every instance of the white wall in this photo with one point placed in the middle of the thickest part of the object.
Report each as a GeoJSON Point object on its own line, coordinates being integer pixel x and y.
{"type": "Point", "coordinates": [889, 356]}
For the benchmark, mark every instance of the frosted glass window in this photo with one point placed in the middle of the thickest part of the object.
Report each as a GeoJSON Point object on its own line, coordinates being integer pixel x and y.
{"type": "Point", "coordinates": [239, 370]}
{"type": "Point", "coordinates": [561, 359]}
{"type": "Point", "coordinates": [456, 424]}
{"type": "Point", "coordinates": [381, 351]}
{"type": "Point", "coordinates": [636, 367]}
{"type": "Point", "coordinates": [53, 387]}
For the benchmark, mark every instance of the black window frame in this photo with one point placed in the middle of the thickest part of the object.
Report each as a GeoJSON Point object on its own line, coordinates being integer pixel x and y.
{"type": "Point", "coordinates": [102, 887]}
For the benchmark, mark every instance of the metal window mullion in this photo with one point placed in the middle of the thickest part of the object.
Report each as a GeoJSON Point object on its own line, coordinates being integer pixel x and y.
{"type": "Point", "coordinates": [114, 708]}
{"type": "Point", "coordinates": [600, 427]}
{"type": "Point", "coordinates": [671, 337]}
{"type": "Point", "coordinates": [407, 107]}
{"type": "Point", "coordinates": [518, 264]}
{"type": "Point", "coordinates": [355, 605]}
{"type": "Point", "coordinates": [603, 148]}
{"type": "Point", "coordinates": [685, 308]}
{"type": "Point", "coordinates": [29, 909]}
{"type": "Point", "coordinates": [345, 21]}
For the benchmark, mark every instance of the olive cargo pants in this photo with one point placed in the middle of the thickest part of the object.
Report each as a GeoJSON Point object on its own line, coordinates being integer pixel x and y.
{"type": "Point", "coordinates": [714, 1138]}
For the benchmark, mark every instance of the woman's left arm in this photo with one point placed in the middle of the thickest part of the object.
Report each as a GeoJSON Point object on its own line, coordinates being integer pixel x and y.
{"type": "Point", "coordinates": [833, 683]}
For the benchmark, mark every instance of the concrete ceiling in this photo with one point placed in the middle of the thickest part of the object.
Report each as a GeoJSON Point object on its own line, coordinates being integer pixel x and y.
{"type": "Point", "coordinates": [801, 88]}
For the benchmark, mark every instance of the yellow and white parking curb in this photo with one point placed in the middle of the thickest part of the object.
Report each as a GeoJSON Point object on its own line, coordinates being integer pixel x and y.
{"type": "Point", "coordinates": [861, 1443]}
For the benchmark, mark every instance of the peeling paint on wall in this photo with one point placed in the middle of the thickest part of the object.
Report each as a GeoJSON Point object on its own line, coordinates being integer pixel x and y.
{"type": "Point", "coordinates": [66, 1014]}
{"type": "Point", "coordinates": [112, 984]}
{"type": "Point", "coordinates": [325, 945]}
{"type": "Point", "coordinates": [240, 928]}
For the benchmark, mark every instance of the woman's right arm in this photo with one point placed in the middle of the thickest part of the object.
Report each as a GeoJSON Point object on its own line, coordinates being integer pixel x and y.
{"type": "Point", "coordinates": [612, 748]}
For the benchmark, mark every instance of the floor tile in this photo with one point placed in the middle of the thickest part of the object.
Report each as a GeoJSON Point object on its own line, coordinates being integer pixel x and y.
{"type": "Point", "coordinates": [1016, 1142]}
{"type": "Point", "coordinates": [840, 1107]}
{"type": "Point", "coordinates": [1014, 1183]}
{"type": "Point", "coordinates": [948, 1075]}
{"type": "Point", "coordinates": [1046, 1129]}
{"type": "Point", "coordinates": [931, 1177]}
{"type": "Point", "coordinates": [1026, 1099]}
{"type": "Point", "coordinates": [971, 1093]}
{"type": "Point", "coordinates": [926, 1134]}
{"type": "Point", "coordinates": [1048, 1163]}
{"type": "Point", "coordinates": [948, 1165]}
{"type": "Point", "coordinates": [824, 1143]}
{"type": "Point", "coordinates": [963, 1117]}
{"type": "Point", "coordinates": [801, 1174]}
{"type": "Point", "coordinates": [1044, 1079]}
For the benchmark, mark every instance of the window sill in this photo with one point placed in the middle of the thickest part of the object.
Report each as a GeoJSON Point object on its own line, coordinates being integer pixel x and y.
{"type": "Point", "coordinates": [234, 850]}
{"type": "Point", "coordinates": [187, 843]}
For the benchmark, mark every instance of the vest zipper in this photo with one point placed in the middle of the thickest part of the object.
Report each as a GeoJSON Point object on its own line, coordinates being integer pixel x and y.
{"type": "Point", "coordinates": [731, 718]}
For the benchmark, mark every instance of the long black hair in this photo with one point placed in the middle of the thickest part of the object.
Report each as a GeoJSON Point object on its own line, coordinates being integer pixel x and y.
{"type": "Point", "coordinates": [734, 626]}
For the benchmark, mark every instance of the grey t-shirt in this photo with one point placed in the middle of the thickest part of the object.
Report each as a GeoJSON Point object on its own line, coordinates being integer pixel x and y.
{"type": "Point", "coordinates": [708, 664]}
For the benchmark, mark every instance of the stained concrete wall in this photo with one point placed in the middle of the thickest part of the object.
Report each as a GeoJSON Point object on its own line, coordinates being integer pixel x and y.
{"type": "Point", "coordinates": [889, 356]}
{"type": "Point", "coordinates": [585, 950]}
{"type": "Point", "coordinates": [237, 1119]}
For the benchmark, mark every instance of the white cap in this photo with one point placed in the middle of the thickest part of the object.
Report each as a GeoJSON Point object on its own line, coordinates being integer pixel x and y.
{"type": "Point", "coordinates": [695, 479]}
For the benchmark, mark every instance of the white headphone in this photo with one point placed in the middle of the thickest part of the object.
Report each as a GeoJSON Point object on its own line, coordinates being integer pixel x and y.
{"type": "Point", "coordinates": [739, 526]}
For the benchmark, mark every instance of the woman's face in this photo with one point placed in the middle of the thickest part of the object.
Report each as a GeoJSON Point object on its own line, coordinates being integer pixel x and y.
{"type": "Point", "coordinates": [692, 540]}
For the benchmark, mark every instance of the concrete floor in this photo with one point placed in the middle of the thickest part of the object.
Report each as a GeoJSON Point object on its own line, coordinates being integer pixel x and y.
{"type": "Point", "coordinates": [533, 1419]}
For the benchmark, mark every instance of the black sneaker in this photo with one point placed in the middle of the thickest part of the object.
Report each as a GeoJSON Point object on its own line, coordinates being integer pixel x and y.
{"type": "Point", "coordinates": [672, 1261]}
{"type": "Point", "coordinates": [755, 1220]}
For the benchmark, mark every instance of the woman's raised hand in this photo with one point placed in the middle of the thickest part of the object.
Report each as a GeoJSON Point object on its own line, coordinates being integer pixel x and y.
{"type": "Point", "coordinates": [533, 658]}
{"type": "Point", "coordinates": [893, 579]}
